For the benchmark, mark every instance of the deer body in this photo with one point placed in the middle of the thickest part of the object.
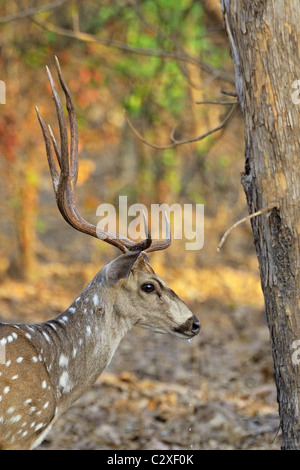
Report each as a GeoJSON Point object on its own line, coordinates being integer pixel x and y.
{"type": "Point", "coordinates": [48, 366]}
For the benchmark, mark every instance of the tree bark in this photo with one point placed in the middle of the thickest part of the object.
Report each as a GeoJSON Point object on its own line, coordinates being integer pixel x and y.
{"type": "Point", "coordinates": [264, 41]}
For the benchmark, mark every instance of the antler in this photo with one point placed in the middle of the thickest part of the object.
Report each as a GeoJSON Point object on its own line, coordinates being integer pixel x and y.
{"type": "Point", "coordinates": [64, 181]}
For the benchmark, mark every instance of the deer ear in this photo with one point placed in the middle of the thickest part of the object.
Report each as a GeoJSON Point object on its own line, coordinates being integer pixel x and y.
{"type": "Point", "coordinates": [120, 267]}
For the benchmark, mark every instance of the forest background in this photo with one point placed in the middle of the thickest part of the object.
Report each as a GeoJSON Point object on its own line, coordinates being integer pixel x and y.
{"type": "Point", "coordinates": [154, 59]}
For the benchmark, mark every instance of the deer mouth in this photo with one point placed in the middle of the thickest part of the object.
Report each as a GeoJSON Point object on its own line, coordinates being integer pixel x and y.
{"type": "Point", "coordinates": [189, 329]}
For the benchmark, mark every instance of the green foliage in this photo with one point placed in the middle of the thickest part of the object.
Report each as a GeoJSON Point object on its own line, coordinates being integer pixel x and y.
{"type": "Point", "coordinates": [224, 161]}
{"type": "Point", "coordinates": [157, 27]}
{"type": "Point", "coordinates": [35, 57]}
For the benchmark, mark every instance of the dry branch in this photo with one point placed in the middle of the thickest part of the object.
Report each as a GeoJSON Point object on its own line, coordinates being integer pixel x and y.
{"type": "Point", "coordinates": [217, 102]}
{"type": "Point", "coordinates": [32, 11]}
{"type": "Point", "coordinates": [175, 55]}
{"type": "Point", "coordinates": [244, 219]}
{"type": "Point", "coordinates": [189, 140]}
{"type": "Point", "coordinates": [229, 93]}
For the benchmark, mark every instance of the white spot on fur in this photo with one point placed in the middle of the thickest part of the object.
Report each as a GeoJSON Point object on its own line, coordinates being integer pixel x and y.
{"type": "Point", "coordinates": [63, 361]}
{"type": "Point", "coordinates": [46, 336]}
{"type": "Point", "coordinates": [88, 330]}
{"type": "Point", "coordinates": [65, 382]}
{"type": "Point", "coordinates": [96, 300]}
{"type": "Point", "coordinates": [39, 426]}
{"type": "Point", "coordinates": [15, 419]}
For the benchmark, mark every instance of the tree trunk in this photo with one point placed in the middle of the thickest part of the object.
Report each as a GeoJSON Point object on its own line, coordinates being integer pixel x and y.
{"type": "Point", "coordinates": [264, 37]}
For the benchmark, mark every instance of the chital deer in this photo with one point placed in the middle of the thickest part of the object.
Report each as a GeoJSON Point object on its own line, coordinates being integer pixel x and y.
{"type": "Point", "coordinates": [50, 365]}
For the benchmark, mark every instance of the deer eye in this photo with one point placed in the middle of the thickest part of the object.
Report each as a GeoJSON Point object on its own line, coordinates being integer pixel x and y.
{"type": "Point", "coordinates": [148, 287]}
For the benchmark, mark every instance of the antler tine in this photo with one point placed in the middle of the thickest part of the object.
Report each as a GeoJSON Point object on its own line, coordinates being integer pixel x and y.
{"type": "Point", "coordinates": [52, 166]}
{"type": "Point", "coordinates": [157, 245]}
{"type": "Point", "coordinates": [55, 145]}
{"type": "Point", "coordinates": [144, 244]}
{"type": "Point", "coordinates": [64, 181]}
{"type": "Point", "coordinates": [63, 154]}
{"type": "Point", "coordinates": [73, 123]}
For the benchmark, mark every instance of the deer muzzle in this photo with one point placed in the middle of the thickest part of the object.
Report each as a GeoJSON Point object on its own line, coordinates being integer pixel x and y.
{"type": "Point", "coordinates": [190, 328]}
{"type": "Point", "coordinates": [196, 325]}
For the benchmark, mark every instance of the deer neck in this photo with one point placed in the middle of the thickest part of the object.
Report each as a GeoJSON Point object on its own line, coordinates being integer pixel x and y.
{"type": "Point", "coordinates": [78, 345]}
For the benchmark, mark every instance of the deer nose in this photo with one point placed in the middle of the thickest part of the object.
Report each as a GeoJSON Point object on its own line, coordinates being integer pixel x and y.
{"type": "Point", "coordinates": [196, 326]}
